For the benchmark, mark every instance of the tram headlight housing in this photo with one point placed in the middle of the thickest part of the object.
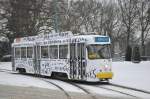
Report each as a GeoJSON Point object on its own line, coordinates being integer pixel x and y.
{"type": "Point", "coordinates": [105, 67]}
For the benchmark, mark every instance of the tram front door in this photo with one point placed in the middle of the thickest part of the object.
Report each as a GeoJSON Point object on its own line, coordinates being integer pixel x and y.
{"type": "Point", "coordinates": [77, 61]}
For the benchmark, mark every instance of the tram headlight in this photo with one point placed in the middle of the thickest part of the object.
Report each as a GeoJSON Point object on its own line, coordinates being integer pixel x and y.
{"type": "Point", "coordinates": [106, 66]}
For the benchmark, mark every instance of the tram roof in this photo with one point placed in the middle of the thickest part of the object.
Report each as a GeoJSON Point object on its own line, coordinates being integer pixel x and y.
{"type": "Point", "coordinates": [64, 36]}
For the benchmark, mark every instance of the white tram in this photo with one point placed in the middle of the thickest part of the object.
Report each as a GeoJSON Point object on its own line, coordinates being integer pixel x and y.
{"type": "Point", "coordinates": [80, 57]}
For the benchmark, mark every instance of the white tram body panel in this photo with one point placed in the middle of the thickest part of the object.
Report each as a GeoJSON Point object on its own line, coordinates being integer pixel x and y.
{"type": "Point", "coordinates": [81, 57]}
{"type": "Point", "coordinates": [26, 63]}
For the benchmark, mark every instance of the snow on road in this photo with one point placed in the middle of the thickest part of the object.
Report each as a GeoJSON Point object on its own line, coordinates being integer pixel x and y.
{"type": "Point", "coordinates": [24, 81]}
{"type": "Point", "coordinates": [132, 74]}
{"type": "Point", "coordinates": [125, 73]}
{"type": "Point", "coordinates": [27, 81]}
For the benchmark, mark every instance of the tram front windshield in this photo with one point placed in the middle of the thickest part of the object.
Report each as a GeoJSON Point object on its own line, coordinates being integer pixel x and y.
{"type": "Point", "coordinates": [96, 51]}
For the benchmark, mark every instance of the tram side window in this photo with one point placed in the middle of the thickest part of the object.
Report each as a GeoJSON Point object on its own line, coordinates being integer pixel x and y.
{"type": "Point", "coordinates": [17, 52]}
{"type": "Point", "coordinates": [53, 51]}
{"type": "Point", "coordinates": [63, 51]}
{"type": "Point", "coordinates": [44, 51]}
{"type": "Point", "coordinates": [23, 52]}
{"type": "Point", "coordinates": [29, 52]}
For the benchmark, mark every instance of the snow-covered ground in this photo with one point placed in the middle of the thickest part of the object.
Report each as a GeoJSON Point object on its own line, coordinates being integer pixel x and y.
{"type": "Point", "coordinates": [6, 65]}
{"type": "Point", "coordinates": [20, 80]}
{"type": "Point", "coordinates": [125, 73]}
{"type": "Point", "coordinates": [132, 74]}
{"type": "Point", "coordinates": [23, 81]}
{"type": "Point", "coordinates": [27, 81]}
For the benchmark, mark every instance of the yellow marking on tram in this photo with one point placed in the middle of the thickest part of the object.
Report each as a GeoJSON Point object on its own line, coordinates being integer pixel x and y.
{"type": "Point", "coordinates": [104, 75]}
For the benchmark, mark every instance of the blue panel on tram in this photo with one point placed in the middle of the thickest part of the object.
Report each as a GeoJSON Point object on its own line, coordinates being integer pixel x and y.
{"type": "Point", "coordinates": [101, 39]}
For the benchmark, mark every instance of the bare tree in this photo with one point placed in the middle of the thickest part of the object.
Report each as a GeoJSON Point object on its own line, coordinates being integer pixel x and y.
{"type": "Point", "coordinates": [85, 15]}
{"type": "Point", "coordinates": [129, 13]}
{"type": "Point", "coordinates": [18, 18]}
{"type": "Point", "coordinates": [144, 22]}
{"type": "Point", "coordinates": [24, 15]}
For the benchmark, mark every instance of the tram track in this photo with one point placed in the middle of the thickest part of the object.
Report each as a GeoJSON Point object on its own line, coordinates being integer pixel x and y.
{"type": "Point", "coordinates": [59, 87]}
{"type": "Point", "coordinates": [136, 90]}
{"type": "Point", "coordinates": [128, 91]}
{"type": "Point", "coordinates": [43, 79]}
{"type": "Point", "coordinates": [87, 90]}
{"type": "Point", "coordinates": [47, 80]}
{"type": "Point", "coordinates": [109, 89]}
{"type": "Point", "coordinates": [130, 88]}
{"type": "Point", "coordinates": [133, 92]}
{"type": "Point", "coordinates": [82, 86]}
{"type": "Point", "coordinates": [84, 89]}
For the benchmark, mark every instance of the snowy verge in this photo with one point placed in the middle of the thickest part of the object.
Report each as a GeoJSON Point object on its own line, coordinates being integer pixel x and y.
{"type": "Point", "coordinates": [6, 65]}
{"type": "Point", "coordinates": [132, 74]}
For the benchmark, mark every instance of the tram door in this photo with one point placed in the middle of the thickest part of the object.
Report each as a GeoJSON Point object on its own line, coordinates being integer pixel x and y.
{"type": "Point", "coordinates": [81, 60]}
{"type": "Point", "coordinates": [73, 71]}
{"type": "Point", "coordinates": [77, 61]}
{"type": "Point", "coordinates": [36, 60]}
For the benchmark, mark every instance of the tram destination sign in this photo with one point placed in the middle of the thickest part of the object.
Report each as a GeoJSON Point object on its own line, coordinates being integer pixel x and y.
{"type": "Point", "coordinates": [101, 39]}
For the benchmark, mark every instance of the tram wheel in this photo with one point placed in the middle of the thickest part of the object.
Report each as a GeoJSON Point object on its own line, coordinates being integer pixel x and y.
{"type": "Point", "coordinates": [21, 70]}
{"type": "Point", "coordinates": [59, 75]}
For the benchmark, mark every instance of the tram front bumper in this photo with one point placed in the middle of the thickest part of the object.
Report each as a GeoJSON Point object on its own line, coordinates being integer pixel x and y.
{"type": "Point", "coordinates": [104, 75]}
